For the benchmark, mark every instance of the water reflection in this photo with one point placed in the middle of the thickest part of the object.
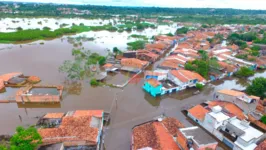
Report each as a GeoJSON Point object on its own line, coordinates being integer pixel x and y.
{"type": "Point", "coordinates": [72, 87]}
{"type": "Point", "coordinates": [39, 105]}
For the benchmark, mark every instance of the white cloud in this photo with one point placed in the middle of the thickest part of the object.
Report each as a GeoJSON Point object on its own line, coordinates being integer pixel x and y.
{"type": "Point", "coordinates": [240, 4]}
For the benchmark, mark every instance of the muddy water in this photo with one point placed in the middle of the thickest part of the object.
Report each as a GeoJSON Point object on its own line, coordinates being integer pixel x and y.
{"type": "Point", "coordinates": [133, 105]}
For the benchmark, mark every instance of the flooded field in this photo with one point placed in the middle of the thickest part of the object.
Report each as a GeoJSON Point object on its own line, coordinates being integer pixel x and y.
{"type": "Point", "coordinates": [129, 106]}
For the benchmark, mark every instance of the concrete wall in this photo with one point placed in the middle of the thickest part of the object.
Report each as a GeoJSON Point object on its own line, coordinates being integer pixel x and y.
{"type": "Point", "coordinates": [37, 98]}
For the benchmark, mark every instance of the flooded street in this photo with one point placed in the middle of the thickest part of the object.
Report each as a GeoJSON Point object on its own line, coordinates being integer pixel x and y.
{"type": "Point", "coordinates": [133, 105]}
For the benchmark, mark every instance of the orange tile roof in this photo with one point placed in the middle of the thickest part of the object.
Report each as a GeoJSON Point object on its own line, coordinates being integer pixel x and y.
{"type": "Point", "coordinates": [153, 82]}
{"type": "Point", "coordinates": [165, 139]}
{"type": "Point", "coordinates": [198, 112]}
{"type": "Point", "coordinates": [108, 65]}
{"type": "Point", "coordinates": [73, 128]}
{"type": "Point", "coordinates": [230, 107]}
{"type": "Point", "coordinates": [261, 146]}
{"type": "Point", "coordinates": [171, 64]}
{"type": "Point", "coordinates": [156, 135]}
{"type": "Point", "coordinates": [186, 75]}
{"type": "Point", "coordinates": [95, 113]}
{"type": "Point", "coordinates": [184, 45]}
{"type": "Point", "coordinates": [2, 85]}
{"type": "Point", "coordinates": [231, 92]}
{"type": "Point", "coordinates": [53, 115]}
{"type": "Point", "coordinates": [8, 76]}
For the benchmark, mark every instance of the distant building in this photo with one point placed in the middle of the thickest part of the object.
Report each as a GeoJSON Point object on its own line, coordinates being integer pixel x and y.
{"type": "Point", "coordinates": [133, 64]}
{"type": "Point", "coordinates": [232, 95]}
{"type": "Point", "coordinates": [185, 78]}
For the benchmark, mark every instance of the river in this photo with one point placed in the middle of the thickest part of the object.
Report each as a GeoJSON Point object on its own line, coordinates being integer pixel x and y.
{"type": "Point", "coordinates": [133, 107]}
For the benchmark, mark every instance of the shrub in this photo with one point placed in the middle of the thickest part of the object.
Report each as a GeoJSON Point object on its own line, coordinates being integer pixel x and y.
{"type": "Point", "coordinates": [199, 86]}
{"type": "Point", "coordinates": [94, 82]}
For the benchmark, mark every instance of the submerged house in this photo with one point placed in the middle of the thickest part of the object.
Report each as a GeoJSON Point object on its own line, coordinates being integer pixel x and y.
{"type": "Point", "coordinates": [185, 78]}
{"type": "Point", "coordinates": [39, 94]}
{"type": "Point", "coordinates": [232, 95]}
{"type": "Point", "coordinates": [153, 87]}
{"type": "Point", "coordinates": [72, 130]}
{"type": "Point", "coordinates": [133, 64]}
{"type": "Point", "coordinates": [157, 74]}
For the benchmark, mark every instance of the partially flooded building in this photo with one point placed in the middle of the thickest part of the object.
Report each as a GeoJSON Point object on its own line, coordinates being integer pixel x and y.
{"type": "Point", "coordinates": [72, 130]}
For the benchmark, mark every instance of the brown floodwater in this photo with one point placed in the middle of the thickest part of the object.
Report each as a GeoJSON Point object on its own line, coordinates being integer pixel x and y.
{"type": "Point", "coordinates": [133, 105]}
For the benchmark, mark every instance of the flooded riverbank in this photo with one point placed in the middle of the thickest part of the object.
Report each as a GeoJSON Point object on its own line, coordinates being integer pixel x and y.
{"type": "Point", "coordinates": [133, 105]}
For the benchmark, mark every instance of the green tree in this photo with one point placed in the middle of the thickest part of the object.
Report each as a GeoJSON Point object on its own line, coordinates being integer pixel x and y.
{"type": "Point", "coordinates": [244, 72]}
{"type": "Point", "coordinates": [203, 54]}
{"type": "Point", "coordinates": [25, 139]}
{"type": "Point", "coordinates": [116, 50]}
{"type": "Point", "coordinates": [102, 60]}
{"type": "Point", "coordinates": [263, 119]}
{"type": "Point", "coordinates": [257, 87]}
{"type": "Point", "coordinates": [182, 30]}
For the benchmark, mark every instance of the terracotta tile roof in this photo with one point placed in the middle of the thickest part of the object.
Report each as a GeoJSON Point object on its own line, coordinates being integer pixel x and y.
{"type": "Point", "coordinates": [231, 92]}
{"type": "Point", "coordinates": [73, 128]}
{"type": "Point", "coordinates": [95, 113]}
{"type": "Point", "coordinates": [156, 135]}
{"type": "Point", "coordinates": [257, 122]}
{"type": "Point", "coordinates": [172, 125]}
{"type": "Point", "coordinates": [179, 75]}
{"type": "Point", "coordinates": [184, 45]}
{"type": "Point", "coordinates": [226, 66]}
{"type": "Point", "coordinates": [173, 64]}
{"type": "Point", "coordinates": [8, 76]}
{"type": "Point", "coordinates": [145, 136]}
{"type": "Point", "coordinates": [166, 141]}
{"type": "Point", "coordinates": [2, 85]}
{"type": "Point", "coordinates": [53, 115]}
{"type": "Point", "coordinates": [230, 107]}
{"type": "Point", "coordinates": [108, 65]}
{"type": "Point", "coordinates": [133, 61]}
{"type": "Point", "coordinates": [198, 112]}
{"type": "Point", "coordinates": [186, 75]}
{"type": "Point", "coordinates": [153, 82]}
{"type": "Point", "coordinates": [261, 146]}
{"type": "Point", "coordinates": [152, 55]}
{"type": "Point", "coordinates": [158, 45]}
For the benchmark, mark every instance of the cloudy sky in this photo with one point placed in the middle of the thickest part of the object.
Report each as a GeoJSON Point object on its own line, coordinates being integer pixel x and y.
{"type": "Point", "coordinates": [240, 4]}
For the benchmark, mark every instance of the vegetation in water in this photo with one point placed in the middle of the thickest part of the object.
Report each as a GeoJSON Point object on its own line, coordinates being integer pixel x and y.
{"type": "Point", "coordinates": [257, 87]}
{"type": "Point", "coordinates": [143, 37]}
{"type": "Point", "coordinates": [80, 66]}
{"type": "Point", "coordinates": [244, 72]}
{"type": "Point", "coordinates": [94, 82]}
{"type": "Point", "coordinates": [140, 44]}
